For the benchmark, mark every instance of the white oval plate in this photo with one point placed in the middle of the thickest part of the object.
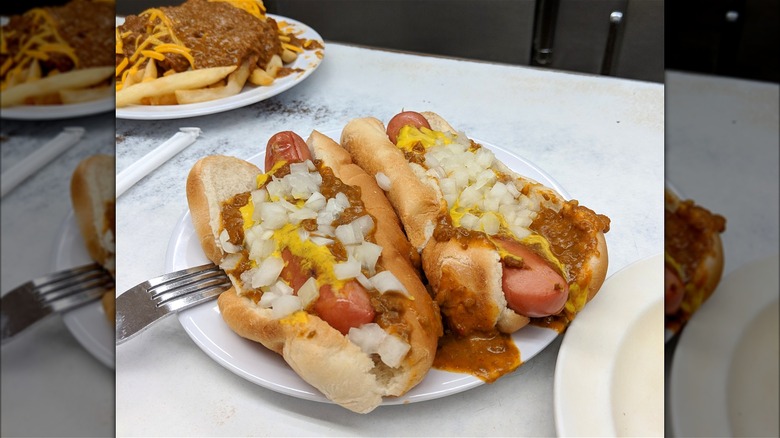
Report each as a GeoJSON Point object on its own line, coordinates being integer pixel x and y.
{"type": "Point", "coordinates": [56, 112]}
{"type": "Point", "coordinates": [724, 378]}
{"type": "Point", "coordinates": [308, 61]}
{"type": "Point", "coordinates": [258, 365]}
{"type": "Point", "coordinates": [609, 377]}
{"type": "Point", "coordinates": [88, 323]}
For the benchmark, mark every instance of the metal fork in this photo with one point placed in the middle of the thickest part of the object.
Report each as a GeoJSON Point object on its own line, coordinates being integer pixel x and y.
{"type": "Point", "coordinates": [54, 293]}
{"type": "Point", "coordinates": [149, 302]}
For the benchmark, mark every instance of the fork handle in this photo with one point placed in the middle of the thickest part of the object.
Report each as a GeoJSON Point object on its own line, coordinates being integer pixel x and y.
{"type": "Point", "coordinates": [129, 327]}
{"type": "Point", "coordinates": [27, 310]}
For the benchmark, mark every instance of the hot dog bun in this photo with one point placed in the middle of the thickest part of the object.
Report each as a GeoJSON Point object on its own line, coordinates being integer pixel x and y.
{"type": "Point", "coordinates": [465, 268]}
{"type": "Point", "coordinates": [694, 259]}
{"type": "Point", "coordinates": [318, 352]}
{"type": "Point", "coordinates": [93, 198]}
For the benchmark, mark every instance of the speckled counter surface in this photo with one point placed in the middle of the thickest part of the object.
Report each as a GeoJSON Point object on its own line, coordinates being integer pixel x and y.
{"type": "Point", "coordinates": [600, 138]}
{"type": "Point", "coordinates": [722, 151]}
{"type": "Point", "coordinates": [51, 386]}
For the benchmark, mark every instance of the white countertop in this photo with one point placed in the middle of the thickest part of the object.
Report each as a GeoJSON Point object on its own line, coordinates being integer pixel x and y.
{"type": "Point", "coordinates": [51, 386]}
{"type": "Point", "coordinates": [722, 151]}
{"type": "Point", "coordinates": [601, 138]}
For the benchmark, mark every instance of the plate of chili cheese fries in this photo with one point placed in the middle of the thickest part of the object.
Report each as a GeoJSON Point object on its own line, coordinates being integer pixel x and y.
{"type": "Point", "coordinates": [205, 56]}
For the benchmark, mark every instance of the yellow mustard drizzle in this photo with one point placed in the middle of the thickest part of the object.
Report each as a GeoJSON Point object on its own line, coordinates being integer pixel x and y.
{"type": "Point", "coordinates": [409, 136]}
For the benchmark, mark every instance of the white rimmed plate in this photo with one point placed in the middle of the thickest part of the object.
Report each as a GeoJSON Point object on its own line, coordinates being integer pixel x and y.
{"type": "Point", "coordinates": [724, 379]}
{"type": "Point", "coordinates": [56, 112]}
{"type": "Point", "coordinates": [609, 377]}
{"type": "Point", "coordinates": [258, 365]}
{"type": "Point", "coordinates": [87, 323]}
{"type": "Point", "coordinates": [308, 61]}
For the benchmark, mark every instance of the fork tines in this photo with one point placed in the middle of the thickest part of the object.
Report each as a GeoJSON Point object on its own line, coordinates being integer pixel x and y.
{"type": "Point", "coordinates": [91, 281]}
{"type": "Point", "coordinates": [178, 292]}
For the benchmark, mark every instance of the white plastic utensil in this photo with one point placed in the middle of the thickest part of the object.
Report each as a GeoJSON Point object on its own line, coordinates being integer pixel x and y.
{"type": "Point", "coordinates": [151, 161]}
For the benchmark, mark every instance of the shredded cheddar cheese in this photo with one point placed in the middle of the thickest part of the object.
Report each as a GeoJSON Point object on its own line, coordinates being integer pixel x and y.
{"type": "Point", "coordinates": [44, 41]}
{"type": "Point", "coordinates": [164, 40]}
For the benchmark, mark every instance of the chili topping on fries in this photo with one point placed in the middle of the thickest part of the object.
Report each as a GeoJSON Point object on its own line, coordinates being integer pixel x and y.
{"type": "Point", "coordinates": [201, 50]}
{"type": "Point", "coordinates": [56, 55]}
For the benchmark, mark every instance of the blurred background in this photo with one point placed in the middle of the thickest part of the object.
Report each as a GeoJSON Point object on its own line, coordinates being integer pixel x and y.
{"type": "Point", "coordinates": [621, 38]}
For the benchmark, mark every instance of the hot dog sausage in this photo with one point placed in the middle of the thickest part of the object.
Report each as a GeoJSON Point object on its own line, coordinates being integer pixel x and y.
{"type": "Point", "coordinates": [536, 289]}
{"type": "Point", "coordinates": [288, 146]}
{"type": "Point", "coordinates": [403, 119]}
{"type": "Point", "coordinates": [674, 291]}
{"type": "Point", "coordinates": [349, 307]}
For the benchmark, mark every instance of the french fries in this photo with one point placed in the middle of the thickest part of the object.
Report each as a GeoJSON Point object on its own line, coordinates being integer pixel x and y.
{"type": "Point", "coordinates": [161, 52]}
{"type": "Point", "coordinates": [236, 81]}
{"type": "Point", "coordinates": [164, 85]}
{"type": "Point", "coordinates": [54, 55]}
{"type": "Point", "coordinates": [20, 93]}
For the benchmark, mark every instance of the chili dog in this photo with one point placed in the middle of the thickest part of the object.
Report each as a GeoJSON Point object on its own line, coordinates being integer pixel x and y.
{"type": "Point", "coordinates": [693, 255]}
{"type": "Point", "coordinates": [92, 196]}
{"type": "Point", "coordinates": [322, 272]}
{"type": "Point", "coordinates": [498, 249]}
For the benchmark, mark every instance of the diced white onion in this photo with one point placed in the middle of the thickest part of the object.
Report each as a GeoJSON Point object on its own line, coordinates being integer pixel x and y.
{"type": "Point", "coordinates": [385, 281]}
{"type": "Point", "coordinates": [469, 197]}
{"type": "Point", "coordinates": [260, 249]}
{"type": "Point", "coordinates": [334, 207]}
{"type": "Point", "coordinates": [327, 215]}
{"type": "Point", "coordinates": [368, 337]}
{"type": "Point", "coordinates": [259, 195]}
{"type": "Point", "coordinates": [228, 247]}
{"type": "Point", "coordinates": [278, 188]}
{"type": "Point", "coordinates": [490, 223]}
{"type": "Point", "coordinates": [436, 172]}
{"type": "Point", "coordinates": [431, 161]}
{"type": "Point", "coordinates": [348, 234]}
{"type": "Point", "coordinates": [392, 350]}
{"type": "Point", "coordinates": [365, 282]}
{"type": "Point", "coordinates": [484, 157]}
{"type": "Point", "coordinates": [316, 202]}
{"type": "Point", "coordinates": [520, 232]}
{"type": "Point", "coordinates": [321, 241]}
{"type": "Point", "coordinates": [346, 270]}
{"type": "Point", "coordinates": [267, 300]}
{"type": "Point", "coordinates": [367, 254]}
{"type": "Point", "coordinates": [325, 230]}
{"type": "Point", "coordinates": [285, 305]}
{"type": "Point", "coordinates": [469, 221]}
{"type": "Point", "coordinates": [290, 207]}
{"type": "Point", "coordinates": [298, 168]}
{"type": "Point", "coordinates": [299, 215]}
{"type": "Point", "coordinates": [513, 190]}
{"type": "Point", "coordinates": [230, 262]}
{"type": "Point", "coordinates": [364, 224]}
{"type": "Point", "coordinates": [267, 272]}
{"type": "Point", "coordinates": [308, 293]}
{"type": "Point", "coordinates": [281, 288]}
{"type": "Point", "coordinates": [273, 215]}
{"type": "Point", "coordinates": [448, 186]}
{"type": "Point", "coordinates": [372, 339]}
{"type": "Point", "coordinates": [461, 177]}
{"type": "Point", "coordinates": [490, 204]}
{"type": "Point", "coordinates": [383, 181]}
{"type": "Point", "coordinates": [342, 200]}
